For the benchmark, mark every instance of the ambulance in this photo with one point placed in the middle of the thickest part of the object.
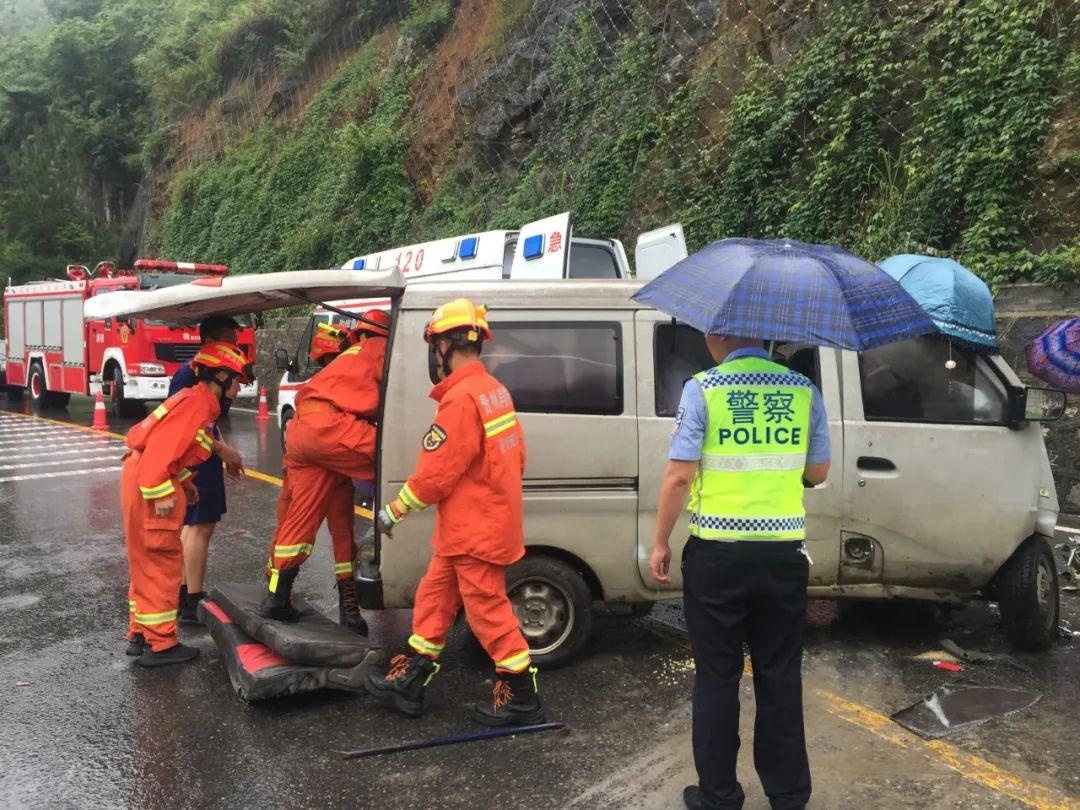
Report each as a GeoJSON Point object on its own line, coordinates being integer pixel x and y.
{"type": "Point", "coordinates": [541, 250]}
{"type": "Point", "coordinates": [944, 496]}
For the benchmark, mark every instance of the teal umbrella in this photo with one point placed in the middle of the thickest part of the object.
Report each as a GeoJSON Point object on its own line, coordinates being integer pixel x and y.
{"type": "Point", "coordinates": [957, 301]}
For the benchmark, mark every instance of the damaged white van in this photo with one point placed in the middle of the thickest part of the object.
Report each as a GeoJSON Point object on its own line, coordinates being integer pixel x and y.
{"type": "Point", "coordinates": [940, 487]}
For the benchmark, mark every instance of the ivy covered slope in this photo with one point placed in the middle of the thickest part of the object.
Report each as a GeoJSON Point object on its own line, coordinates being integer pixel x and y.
{"type": "Point", "coordinates": [281, 134]}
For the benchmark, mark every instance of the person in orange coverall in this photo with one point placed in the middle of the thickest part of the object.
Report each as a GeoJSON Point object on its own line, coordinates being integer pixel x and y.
{"type": "Point", "coordinates": [329, 442]}
{"type": "Point", "coordinates": [155, 486]}
{"type": "Point", "coordinates": [471, 466]}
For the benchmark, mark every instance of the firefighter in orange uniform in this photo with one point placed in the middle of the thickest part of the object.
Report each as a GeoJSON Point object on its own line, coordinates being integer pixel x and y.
{"type": "Point", "coordinates": [471, 465]}
{"type": "Point", "coordinates": [329, 442]}
{"type": "Point", "coordinates": [155, 486]}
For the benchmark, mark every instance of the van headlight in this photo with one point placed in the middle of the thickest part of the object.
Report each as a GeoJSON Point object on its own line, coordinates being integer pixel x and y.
{"type": "Point", "coordinates": [150, 369]}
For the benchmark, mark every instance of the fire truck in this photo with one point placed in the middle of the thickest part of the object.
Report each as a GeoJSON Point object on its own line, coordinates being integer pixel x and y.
{"type": "Point", "coordinates": [53, 353]}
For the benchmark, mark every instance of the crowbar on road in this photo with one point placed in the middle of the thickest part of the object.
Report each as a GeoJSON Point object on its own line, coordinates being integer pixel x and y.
{"type": "Point", "coordinates": [454, 740]}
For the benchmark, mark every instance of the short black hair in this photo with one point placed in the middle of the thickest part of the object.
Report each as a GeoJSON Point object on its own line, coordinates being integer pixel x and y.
{"type": "Point", "coordinates": [214, 325]}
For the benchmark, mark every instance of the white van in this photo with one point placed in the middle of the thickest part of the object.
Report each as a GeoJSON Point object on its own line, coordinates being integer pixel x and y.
{"type": "Point", "coordinates": [545, 249]}
{"type": "Point", "coordinates": [940, 488]}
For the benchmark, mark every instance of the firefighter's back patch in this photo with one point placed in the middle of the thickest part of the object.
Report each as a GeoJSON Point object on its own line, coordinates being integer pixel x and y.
{"type": "Point", "coordinates": [434, 438]}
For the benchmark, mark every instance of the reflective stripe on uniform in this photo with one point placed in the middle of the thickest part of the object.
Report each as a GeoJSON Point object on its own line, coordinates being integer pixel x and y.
{"type": "Point", "coordinates": [423, 646]}
{"type": "Point", "coordinates": [160, 491]}
{"type": "Point", "coordinates": [764, 461]}
{"type": "Point", "coordinates": [757, 525]}
{"type": "Point", "coordinates": [515, 663]}
{"type": "Point", "coordinates": [343, 568]}
{"type": "Point", "coordinates": [499, 424]}
{"type": "Point", "coordinates": [160, 412]}
{"type": "Point", "coordinates": [409, 498]}
{"type": "Point", "coordinates": [151, 619]}
{"type": "Point", "coordinates": [184, 475]}
{"type": "Point", "coordinates": [202, 438]}
{"type": "Point", "coordinates": [271, 584]}
{"type": "Point", "coordinates": [294, 550]}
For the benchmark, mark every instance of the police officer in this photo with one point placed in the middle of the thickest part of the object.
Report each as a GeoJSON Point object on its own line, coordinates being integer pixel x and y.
{"type": "Point", "coordinates": [749, 435]}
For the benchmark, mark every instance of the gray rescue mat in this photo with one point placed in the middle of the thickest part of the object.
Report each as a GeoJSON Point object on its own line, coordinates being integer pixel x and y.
{"type": "Point", "coordinates": [958, 707]}
{"type": "Point", "coordinates": [312, 641]}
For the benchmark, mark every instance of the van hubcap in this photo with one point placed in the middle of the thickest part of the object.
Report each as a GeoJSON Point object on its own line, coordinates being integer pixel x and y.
{"type": "Point", "coordinates": [1043, 586]}
{"type": "Point", "coordinates": [545, 612]}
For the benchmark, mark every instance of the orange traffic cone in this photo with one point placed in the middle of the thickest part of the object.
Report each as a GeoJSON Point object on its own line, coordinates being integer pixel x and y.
{"type": "Point", "coordinates": [263, 412]}
{"type": "Point", "coordinates": [99, 413]}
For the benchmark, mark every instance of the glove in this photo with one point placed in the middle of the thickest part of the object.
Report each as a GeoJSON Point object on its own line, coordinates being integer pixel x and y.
{"type": "Point", "coordinates": [390, 516]}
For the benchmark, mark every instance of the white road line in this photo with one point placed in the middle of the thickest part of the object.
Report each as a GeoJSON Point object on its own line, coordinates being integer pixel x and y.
{"type": "Point", "coordinates": [75, 452]}
{"type": "Point", "coordinates": [63, 474]}
{"type": "Point", "coordinates": [90, 441]}
{"type": "Point", "coordinates": [60, 463]}
{"type": "Point", "coordinates": [23, 430]}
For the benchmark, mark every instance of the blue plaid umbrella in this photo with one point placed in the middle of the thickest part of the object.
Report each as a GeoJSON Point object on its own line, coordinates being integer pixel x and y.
{"type": "Point", "coordinates": [785, 290]}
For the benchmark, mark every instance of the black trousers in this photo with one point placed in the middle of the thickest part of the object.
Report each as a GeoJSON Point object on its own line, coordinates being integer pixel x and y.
{"type": "Point", "coordinates": [752, 591]}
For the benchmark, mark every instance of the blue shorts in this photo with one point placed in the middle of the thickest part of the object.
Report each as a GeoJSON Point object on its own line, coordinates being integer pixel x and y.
{"type": "Point", "coordinates": [210, 481]}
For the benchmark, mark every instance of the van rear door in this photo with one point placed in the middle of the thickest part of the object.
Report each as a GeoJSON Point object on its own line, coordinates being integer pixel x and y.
{"type": "Point", "coordinates": [543, 249]}
{"type": "Point", "coordinates": [658, 250]}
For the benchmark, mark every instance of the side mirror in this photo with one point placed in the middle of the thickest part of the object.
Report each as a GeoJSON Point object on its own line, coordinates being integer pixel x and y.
{"type": "Point", "coordinates": [281, 360]}
{"type": "Point", "coordinates": [1044, 404]}
{"type": "Point", "coordinates": [1034, 405]}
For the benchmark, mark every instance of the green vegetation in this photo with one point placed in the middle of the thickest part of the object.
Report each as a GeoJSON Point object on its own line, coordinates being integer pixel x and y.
{"type": "Point", "coordinates": [279, 134]}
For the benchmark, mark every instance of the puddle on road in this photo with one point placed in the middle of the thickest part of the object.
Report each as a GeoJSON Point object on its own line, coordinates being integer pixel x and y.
{"type": "Point", "coordinates": [960, 707]}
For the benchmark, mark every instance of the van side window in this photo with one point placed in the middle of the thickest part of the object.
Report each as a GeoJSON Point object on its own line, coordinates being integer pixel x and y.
{"type": "Point", "coordinates": [910, 382]}
{"type": "Point", "coordinates": [592, 261]}
{"type": "Point", "coordinates": [679, 352]}
{"type": "Point", "coordinates": [304, 364]}
{"type": "Point", "coordinates": [801, 358]}
{"type": "Point", "coordinates": [562, 367]}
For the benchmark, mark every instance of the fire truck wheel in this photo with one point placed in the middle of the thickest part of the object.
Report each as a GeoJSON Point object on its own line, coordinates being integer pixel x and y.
{"type": "Point", "coordinates": [39, 392]}
{"type": "Point", "coordinates": [121, 406]}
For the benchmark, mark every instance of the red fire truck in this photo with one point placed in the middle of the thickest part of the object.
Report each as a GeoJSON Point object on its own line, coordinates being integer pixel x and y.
{"type": "Point", "coordinates": [53, 353]}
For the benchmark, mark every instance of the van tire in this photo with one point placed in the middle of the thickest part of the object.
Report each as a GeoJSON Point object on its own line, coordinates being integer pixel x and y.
{"type": "Point", "coordinates": [1026, 589]}
{"type": "Point", "coordinates": [554, 607]}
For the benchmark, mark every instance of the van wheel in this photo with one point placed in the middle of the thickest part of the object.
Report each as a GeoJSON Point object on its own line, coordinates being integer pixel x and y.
{"type": "Point", "coordinates": [286, 417]}
{"type": "Point", "coordinates": [553, 605]}
{"type": "Point", "coordinates": [1026, 588]}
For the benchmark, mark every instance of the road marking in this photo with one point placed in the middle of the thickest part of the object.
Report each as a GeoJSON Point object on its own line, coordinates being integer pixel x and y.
{"type": "Point", "coordinates": [80, 442]}
{"type": "Point", "coordinates": [76, 452]}
{"type": "Point", "coordinates": [260, 476]}
{"type": "Point", "coordinates": [969, 766]}
{"type": "Point", "coordinates": [59, 474]}
{"type": "Point", "coordinates": [60, 463]}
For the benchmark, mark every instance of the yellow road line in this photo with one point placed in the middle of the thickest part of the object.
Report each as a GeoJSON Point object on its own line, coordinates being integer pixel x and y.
{"type": "Point", "coordinates": [973, 768]}
{"type": "Point", "coordinates": [259, 476]}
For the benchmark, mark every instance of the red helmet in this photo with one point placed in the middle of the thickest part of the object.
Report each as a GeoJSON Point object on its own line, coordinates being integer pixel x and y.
{"type": "Point", "coordinates": [376, 322]}
{"type": "Point", "coordinates": [218, 354]}
{"type": "Point", "coordinates": [328, 341]}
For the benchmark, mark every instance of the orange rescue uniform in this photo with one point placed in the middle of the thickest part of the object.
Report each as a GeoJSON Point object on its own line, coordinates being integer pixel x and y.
{"type": "Point", "coordinates": [176, 436]}
{"type": "Point", "coordinates": [471, 465]}
{"type": "Point", "coordinates": [330, 441]}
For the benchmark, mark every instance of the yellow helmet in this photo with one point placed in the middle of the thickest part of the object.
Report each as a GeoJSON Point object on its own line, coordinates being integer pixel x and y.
{"type": "Point", "coordinates": [460, 316]}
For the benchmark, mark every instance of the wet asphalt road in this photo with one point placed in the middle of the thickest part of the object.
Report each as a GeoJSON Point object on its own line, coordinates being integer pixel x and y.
{"type": "Point", "coordinates": [81, 727]}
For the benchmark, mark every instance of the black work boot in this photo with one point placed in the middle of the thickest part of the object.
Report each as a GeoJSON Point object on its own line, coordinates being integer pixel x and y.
{"type": "Point", "coordinates": [189, 607]}
{"type": "Point", "coordinates": [515, 701]}
{"type": "Point", "coordinates": [349, 607]}
{"type": "Point", "coordinates": [136, 644]}
{"type": "Point", "coordinates": [403, 686]}
{"type": "Point", "coordinates": [278, 604]}
{"type": "Point", "coordinates": [174, 655]}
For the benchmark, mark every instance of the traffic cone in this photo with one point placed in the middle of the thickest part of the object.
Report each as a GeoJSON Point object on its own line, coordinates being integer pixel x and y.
{"type": "Point", "coordinates": [99, 413]}
{"type": "Point", "coordinates": [264, 411]}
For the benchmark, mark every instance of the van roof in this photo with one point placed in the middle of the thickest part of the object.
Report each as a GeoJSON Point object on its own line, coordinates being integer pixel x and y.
{"type": "Point", "coordinates": [559, 294]}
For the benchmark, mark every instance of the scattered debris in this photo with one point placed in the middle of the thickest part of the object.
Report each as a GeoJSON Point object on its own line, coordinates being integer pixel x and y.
{"type": "Point", "coordinates": [976, 657]}
{"type": "Point", "coordinates": [948, 666]}
{"type": "Point", "coordinates": [456, 739]}
{"type": "Point", "coordinates": [937, 655]}
{"type": "Point", "coordinates": [959, 707]}
{"type": "Point", "coordinates": [24, 683]}
{"type": "Point", "coordinates": [1064, 631]}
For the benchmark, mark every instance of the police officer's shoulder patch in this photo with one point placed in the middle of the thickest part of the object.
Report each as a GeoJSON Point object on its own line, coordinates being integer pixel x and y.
{"type": "Point", "coordinates": [434, 438]}
{"type": "Point", "coordinates": [678, 419]}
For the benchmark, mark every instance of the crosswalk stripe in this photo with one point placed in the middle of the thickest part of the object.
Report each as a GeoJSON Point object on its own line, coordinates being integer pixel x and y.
{"type": "Point", "coordinates": [62, 474]}
{"type": "Point", "coordinates": [74, 452]}
{"type": "Point", "coordinates": [57, 463]}
{"type": "Point", "coordinates": [29, 444]}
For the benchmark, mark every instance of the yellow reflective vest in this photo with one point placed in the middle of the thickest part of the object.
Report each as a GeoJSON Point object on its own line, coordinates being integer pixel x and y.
{"type": "Point", "coordinates": [749, 481]}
